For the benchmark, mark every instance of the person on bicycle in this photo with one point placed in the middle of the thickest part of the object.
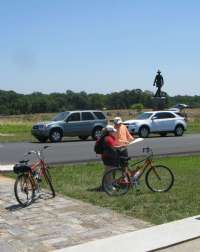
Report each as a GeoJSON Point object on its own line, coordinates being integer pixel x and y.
{"type": "Point", "coordinates": [110, 155]}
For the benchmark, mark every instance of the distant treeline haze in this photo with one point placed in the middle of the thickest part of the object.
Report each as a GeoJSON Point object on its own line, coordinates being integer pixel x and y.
{"type": "Point", "coordinates": [13, 103]}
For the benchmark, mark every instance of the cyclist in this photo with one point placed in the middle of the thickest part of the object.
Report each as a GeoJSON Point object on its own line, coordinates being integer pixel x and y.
{"type": "Point", "coordinates": [110, 155]}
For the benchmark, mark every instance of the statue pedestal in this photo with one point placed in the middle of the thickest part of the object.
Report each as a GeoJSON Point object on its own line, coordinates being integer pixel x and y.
{"type": "Point", "coordinates": [159, 103]}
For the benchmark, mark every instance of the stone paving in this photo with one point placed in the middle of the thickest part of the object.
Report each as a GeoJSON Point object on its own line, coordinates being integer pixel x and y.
{"type": "Point", "coordinates": [50, 224]}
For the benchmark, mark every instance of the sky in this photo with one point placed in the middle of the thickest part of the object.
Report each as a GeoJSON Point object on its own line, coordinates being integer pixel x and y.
{"type": "Point", "coordinates": [99, 45]}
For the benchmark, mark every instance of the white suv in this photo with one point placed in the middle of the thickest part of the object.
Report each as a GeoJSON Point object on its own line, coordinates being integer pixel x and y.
{"type": "Point", "coordinates": [161, 122]}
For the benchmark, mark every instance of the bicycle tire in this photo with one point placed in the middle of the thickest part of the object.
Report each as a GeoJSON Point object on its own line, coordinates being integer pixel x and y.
{"type": "Point", "coordinates": [159, 178]}
{"type": "Point", "coordinates": [24, 184]}
{"type": "Point", "coordinates": [118, 186]}
{"type": "Point", "coordinates": [48, 179]}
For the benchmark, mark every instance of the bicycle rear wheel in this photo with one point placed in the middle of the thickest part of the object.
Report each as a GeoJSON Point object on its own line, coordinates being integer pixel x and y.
{"type": "Point", "coordinates": [115, 182]}
{"type": "Point", "coordinates": [159, 178]}
{"type": "Point", "coordinates": [24, 190]}
{"type": "Point", "coordinates": [48, 180]}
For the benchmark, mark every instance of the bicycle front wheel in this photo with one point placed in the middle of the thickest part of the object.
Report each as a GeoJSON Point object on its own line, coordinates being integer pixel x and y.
{"type": "Point", "coordinates": [115, 182]}
{"type": "Point", "coordinates": [24, 190]}
{"type": "Point", "coordinates": [48, 180]}
{"type": "Point", "coordinates": [159, 178]}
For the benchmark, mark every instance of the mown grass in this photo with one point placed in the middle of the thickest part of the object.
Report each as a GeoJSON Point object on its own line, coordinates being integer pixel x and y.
{"type": "Point", "coordinates": [183, 200]}
{"type": "Point", "coordinates": [14, 132]}
{"type": "Point", "coordinates": [194, 126]}
{"type": "Point", "coordinates": [18, 127]}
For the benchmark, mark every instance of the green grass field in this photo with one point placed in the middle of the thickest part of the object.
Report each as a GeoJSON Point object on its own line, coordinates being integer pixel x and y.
{"type": "Point", "coordinates": [80, 181]}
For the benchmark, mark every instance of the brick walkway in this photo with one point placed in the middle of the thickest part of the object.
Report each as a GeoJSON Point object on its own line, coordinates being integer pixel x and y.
{"type": "Point", "coordinates": [51, 224]}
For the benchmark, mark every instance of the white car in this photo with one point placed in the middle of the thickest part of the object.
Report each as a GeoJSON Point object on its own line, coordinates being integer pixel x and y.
{"type": "Point", "coordinates": [161, 122]}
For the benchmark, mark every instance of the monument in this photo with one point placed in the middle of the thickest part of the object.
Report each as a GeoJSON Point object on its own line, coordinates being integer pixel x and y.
{"type": "Point", "coordinates": [159, 99]}
{"type": "Point", "coordinates": [158, 82]}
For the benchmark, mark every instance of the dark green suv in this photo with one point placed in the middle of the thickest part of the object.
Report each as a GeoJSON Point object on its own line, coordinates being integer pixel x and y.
{"type": "Point", "coordinates": [71, 123]}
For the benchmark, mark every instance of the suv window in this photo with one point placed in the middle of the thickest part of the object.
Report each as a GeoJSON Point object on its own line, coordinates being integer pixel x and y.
{"type": "Point", "coordinates": [61, 116]}
{"type": "Point", "coordinates": [99, 115]}
{"type": "Point", "coordinates": [164, 115]}
{"type": "Point", "coordinates": [74, 117]}
{"type": "Point", "coordinates": [87, 116]}
{"type": "Point", "coordinates": [143, 116]}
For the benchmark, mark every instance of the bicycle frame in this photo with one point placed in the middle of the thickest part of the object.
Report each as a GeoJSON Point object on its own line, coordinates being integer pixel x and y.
{"type": "Point", "coordinates": [30, 178]}
{"type": "Point", "coordinates": [40, 163]}
{"type": "Point", "coordinates": [146, 162]}
{"type": "Point", "coordinates": [117, 181]}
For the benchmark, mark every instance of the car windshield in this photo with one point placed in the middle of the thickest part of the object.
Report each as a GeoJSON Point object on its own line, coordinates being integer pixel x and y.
{"type": "Point", "coordinates": [144, 116]}
{"type": "Point", "coordinates": [61, 116]}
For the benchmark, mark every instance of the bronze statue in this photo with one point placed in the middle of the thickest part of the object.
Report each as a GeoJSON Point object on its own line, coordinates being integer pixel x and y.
{"type": "Point", "coordinates": [158, 82]}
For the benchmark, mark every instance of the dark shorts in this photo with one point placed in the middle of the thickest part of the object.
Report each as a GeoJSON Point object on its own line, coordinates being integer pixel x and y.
{"type": "Point", "coordinates": [114, 159]}
{"type": "Point", "coordinates": [110, 162]}
{"type": "Point", "coordinates": [123, 152]}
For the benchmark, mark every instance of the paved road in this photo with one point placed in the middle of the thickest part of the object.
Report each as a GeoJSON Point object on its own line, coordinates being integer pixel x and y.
{"type": "Point", "coordinates": [79, 151]}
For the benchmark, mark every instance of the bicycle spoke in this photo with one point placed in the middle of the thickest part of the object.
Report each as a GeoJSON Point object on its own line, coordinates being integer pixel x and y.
{"type": "Point", "coordinates": [156, 173]}
{"type": "Point", "coordinates": [159, 178]}
{"type": "Point", "coordinates": [115, 182]}
{"type": "Point", "coordinates": [23, 189]}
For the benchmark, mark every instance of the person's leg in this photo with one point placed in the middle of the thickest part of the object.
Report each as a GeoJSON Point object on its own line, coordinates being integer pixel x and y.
{"type": "Point", "coordinates": [124, 163]}
{"type": "Point", "coordinates": [156, 94]}
{"type": "Point", "coordinates": [124, 152]}
{"type": "Point", "coordinates": [109, 177]}
{"type": "Point", "coordinates": [159, 91]}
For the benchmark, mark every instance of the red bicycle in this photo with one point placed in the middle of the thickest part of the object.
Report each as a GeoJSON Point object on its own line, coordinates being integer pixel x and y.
{"type": "Point", "coordinates": [29, 177]}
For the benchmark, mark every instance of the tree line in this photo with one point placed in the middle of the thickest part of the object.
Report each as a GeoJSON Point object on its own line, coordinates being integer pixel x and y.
{"type": "Point", "coordinates": [12, 103]}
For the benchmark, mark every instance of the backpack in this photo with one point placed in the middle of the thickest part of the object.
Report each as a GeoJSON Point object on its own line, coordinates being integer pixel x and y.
{"type": "Point", "coordinates": [99, 146]}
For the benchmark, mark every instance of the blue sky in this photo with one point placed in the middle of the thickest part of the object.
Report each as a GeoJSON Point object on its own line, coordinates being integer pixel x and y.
{"type": "Point", "coordinates": [99, 45]}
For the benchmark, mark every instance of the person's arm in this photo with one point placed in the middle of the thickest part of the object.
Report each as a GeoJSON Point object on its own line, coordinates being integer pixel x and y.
{"type": "Point", "coordinates": [162, 81]}
{"type": "Point", "coordinates": [129, 136]}
{"type": "Point", "coordinates": [154, 83]}
{"type": "Point", "coordinates": [113, 143]}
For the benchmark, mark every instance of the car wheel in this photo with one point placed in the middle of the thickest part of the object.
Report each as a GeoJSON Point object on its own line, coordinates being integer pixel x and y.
{"type": "Point", "coordinates": [144, 132]}
{"type": "Point", "coordinates": [163, 134]}
{"type": "Point", "coordinates": [42, 139]}
{"type": "Point", "coordinates": [55, 136]}
{"type": "Point", "coordinates": [96, 133]}
{"type": "Point", "coordinates": [83, 137]}
{"type": "Point", "coordinates": [179, 130]}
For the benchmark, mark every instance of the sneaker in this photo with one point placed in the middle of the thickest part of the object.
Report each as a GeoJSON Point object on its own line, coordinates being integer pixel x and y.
{"type": "Point", "coordinates": [112, 188]}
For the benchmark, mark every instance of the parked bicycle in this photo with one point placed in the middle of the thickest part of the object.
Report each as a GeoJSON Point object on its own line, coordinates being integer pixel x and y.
{"type": "Point", "coordinates": [118, 181]}
{"type": "Point", "coordinates": [29, 177]}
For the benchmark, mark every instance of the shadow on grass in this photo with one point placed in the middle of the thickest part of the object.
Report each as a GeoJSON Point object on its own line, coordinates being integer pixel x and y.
{"type": "Point", "coordinates": [96, 189]}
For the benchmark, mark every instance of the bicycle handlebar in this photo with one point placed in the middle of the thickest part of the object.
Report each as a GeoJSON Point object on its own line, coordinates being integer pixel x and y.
{"type": "Point", "coordinates": [148, 150]}
{"type": "Point", "coordinates": [38, 153]}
